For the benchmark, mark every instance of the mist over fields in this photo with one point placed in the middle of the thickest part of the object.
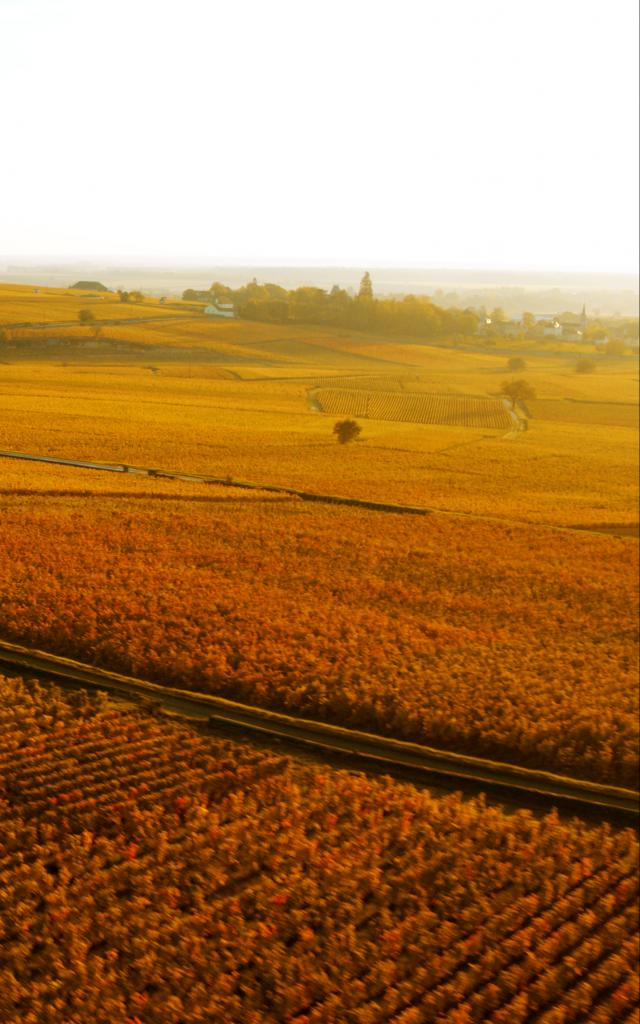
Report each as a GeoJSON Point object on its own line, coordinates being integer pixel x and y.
{"type": "Point", "coordinates": [515, 291]}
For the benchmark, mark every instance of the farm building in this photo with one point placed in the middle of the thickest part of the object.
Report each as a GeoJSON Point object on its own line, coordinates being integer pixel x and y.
{"type": "Point", "coordinates": [220, 309]}
{"type": "Point", "coordinates": [548, 325]}
{"type": "Point", "coordinates": [508, 328]}
{"type": "Point", "coordinates": [567, 326]}
{"type": "Point", "coordinates": [89, 286]}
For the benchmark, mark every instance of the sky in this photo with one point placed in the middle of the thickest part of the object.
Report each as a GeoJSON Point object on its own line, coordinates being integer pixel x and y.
{"type": "Point", "coordinates": [432, 133]}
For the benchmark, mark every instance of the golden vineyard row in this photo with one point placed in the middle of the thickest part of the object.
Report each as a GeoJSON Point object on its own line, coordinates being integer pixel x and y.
{"type": "Point", "coordinates": [447, 410]}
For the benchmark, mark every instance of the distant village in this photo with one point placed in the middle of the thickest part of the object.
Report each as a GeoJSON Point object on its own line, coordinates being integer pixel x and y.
{"type": "Point", "coordinates": [568, 327]}
{"type": "Point", "coordinates": [564, 327]}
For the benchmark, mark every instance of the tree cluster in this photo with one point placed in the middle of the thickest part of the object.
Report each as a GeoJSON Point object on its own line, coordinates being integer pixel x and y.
{"type": "Point", "coordinates": [415, 316]}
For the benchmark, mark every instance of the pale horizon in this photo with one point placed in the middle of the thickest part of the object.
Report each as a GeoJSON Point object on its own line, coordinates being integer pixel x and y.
{"type": "Point", "coordinates": [493, 137]}
{"type": "Point", "coordinates": [117, 261]}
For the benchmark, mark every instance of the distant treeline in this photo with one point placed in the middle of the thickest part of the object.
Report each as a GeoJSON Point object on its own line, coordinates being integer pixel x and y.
{"type": "Point", "coordinates": [412, 315]}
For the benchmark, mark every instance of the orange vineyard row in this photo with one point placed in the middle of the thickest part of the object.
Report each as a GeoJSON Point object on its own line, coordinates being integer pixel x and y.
{"type": "Point", "coordinates": [158, 877]}
{"type": "Point", "coordinates": [512, 643]}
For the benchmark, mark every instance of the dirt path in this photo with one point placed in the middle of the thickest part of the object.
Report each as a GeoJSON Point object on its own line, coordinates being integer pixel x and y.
{"type": "Point", "coordinates": [312, 401]}
{"type": "Point", "coordinates": [522, 785]}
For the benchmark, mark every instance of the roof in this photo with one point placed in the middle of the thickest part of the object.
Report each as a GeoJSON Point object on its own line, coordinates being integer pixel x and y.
{"type": "Point", "coordinates": [89, 286]}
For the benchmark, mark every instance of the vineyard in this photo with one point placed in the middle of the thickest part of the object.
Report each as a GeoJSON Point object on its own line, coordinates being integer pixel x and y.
{"type": "Point", "coordinates": [263, 430]}
{"type": "Point", "coordinates": [615, 414]}
{"type": "Point", "coordinates": [130, 894]}
{"type": "Point", "coordinates": [24, 304]}
{"type": "Point", "coordinates": [151, 873]}
{"type": "Point", "coordinates": [367, 382]}
{"type": "Point", "coordinates": [447, 410]}
{"type": "Point", "coordinates": [517, 644]}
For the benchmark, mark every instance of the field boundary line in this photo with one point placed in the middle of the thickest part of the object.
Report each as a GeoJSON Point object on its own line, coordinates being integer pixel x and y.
{"type": "Point", "coordinates": [225, 481]}
{"type": "Point", "coordinates": [107, 322]}
{"type": "Point", "coordinates": [401, 753]}
{"type": "Point", "coordinates": [328, 499]}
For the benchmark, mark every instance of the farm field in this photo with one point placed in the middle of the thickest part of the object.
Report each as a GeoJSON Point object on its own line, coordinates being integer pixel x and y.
{"type": "Point", "coordinates": [583, 411]}
{"type": "Point", "coordinates": [25, 304]}
{"type": "Point", "coordinates": [267, 344]}
{"type": "Point", "coordinates": [124, 849]}
{"type": "Point", "coordinates": [485, 636]}
{"type": "Point", "coordinates": [258, 423]}
{"type": "Point", "coordinates": [319, 513]}
{"type": "Point", "coordinates": [319, 343]}
{"type": "Point", "coordinates": [448, 410]}
{"type": "Point", "coordinates": [514, 642]}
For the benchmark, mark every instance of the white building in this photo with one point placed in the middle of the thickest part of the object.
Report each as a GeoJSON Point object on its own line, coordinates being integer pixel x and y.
{"type": "Point", "coordinates": [568, 326]}
{"type": "Point", "coordinates": [220, 309]}
{"type": "Point", "coordinates": [551, 329]}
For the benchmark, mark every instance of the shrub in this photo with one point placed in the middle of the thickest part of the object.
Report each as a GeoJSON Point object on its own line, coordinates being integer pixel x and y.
{"type": "Point", "coordinates": [516, 363]}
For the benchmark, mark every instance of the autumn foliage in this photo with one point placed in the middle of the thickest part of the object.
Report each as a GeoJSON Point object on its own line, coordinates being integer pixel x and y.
{"type": "Point", "coordinates": [149, 874]}
{"type": "Point", "coordinates": [576, 466]}
{"type": "Point", "coordinates": [511, 642]}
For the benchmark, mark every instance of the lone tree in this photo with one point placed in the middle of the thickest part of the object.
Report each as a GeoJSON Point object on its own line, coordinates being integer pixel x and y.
{"type": "Point", "coordinates": [517, 391]}
{"type": "Point", "coordinates": [366, 288]}
{"type": "Point", "coordinates": [85, 316]}
{"type": "Point", "coordinates": [516, 363]}
{"type": "Point", "coordinates": [346, 430]}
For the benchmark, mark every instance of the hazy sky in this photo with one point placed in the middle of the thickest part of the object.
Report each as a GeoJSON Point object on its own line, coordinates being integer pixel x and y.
{"type": "Point", "coordinates": [475, 133]}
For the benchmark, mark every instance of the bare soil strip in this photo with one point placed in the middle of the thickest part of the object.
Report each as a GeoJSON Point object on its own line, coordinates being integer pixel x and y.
{"type": "Point", "coordinates": [508, 780]}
